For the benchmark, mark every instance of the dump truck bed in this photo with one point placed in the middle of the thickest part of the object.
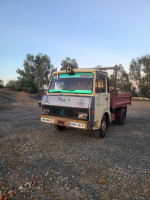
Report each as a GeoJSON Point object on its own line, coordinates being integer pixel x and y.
{"type": "Point", "coordinates": [120, 99]}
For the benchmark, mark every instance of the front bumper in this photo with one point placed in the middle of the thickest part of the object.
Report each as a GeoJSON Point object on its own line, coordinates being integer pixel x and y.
{"type": "Point", "coordinates": [81, 124]}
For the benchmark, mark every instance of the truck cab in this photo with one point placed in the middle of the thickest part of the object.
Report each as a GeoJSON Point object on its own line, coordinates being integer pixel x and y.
{"type": "Point", "coordinates": [78, 98]}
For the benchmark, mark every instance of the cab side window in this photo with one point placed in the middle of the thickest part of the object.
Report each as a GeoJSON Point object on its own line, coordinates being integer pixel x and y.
{"type": "Point", "coordinates": [100, 83]}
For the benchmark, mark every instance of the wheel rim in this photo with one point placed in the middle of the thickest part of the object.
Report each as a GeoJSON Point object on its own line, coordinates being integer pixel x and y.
{"type": "Point", "coordinates": [104, 126]}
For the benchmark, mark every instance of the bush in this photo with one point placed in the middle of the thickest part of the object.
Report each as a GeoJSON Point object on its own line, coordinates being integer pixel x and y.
{"type": "Point", "coordinates": [11, 85]}
{"type": "Point", "coordinates": [30, 87]}
{"type": "Point", "coordinates": [22, 85]}
{"type": "Point", "coordinates": [15, 85]}
{"type": "Point", "coordinates": [30, 90]}
{"type": "Point", "coordinates": [18, 86]}
{"type": "Point", "coordinates": [134, 94]}
{"type": "Point", "coordinates": [1, 84]}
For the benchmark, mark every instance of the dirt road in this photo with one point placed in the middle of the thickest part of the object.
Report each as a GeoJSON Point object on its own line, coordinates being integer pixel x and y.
{"type": "Point", "coordinates": [38, 162]}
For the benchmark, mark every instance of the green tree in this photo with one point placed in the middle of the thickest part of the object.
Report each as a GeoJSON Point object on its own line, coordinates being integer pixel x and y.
{"type": "Point", "coordinates": [36, 72]}
{"type": "Point", "coordinates": [43, 69]}
{"type": "Point", "coordinates": [27, 76]}
{"type": "Point", "coordinates": [123, 82]}
{"type": "Point", "coordinates": [133, 92]}
{"type": "Point", "coordinates": [140, 73]}
{"type": "Point", "coordinates": [68, 62]}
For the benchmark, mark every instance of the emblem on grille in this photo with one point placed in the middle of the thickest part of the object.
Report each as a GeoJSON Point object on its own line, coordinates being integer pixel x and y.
{"type": "Point", "coordinates": [62, 112]}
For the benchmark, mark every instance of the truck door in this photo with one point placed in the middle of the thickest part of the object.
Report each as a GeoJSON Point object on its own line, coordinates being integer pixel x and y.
{"type": "Point", "coordinates": [102, 96]}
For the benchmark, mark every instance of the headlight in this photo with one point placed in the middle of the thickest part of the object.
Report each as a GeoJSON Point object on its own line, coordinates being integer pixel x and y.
{"type": "Point", "coordinates": [45, 112]}
{"type": "Point", "coordinates": [82, 115]}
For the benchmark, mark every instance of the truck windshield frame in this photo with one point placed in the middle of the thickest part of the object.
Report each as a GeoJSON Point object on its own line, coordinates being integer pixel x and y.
{"type": "Point", "coordinates": [77, 83]}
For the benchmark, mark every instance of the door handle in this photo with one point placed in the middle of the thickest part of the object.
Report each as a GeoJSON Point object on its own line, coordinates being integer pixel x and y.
{"type": "Point", "coordinates": [106, 98]}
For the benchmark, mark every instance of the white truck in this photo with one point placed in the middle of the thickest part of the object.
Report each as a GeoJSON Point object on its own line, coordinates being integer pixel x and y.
{"type": "Point", "coordinates": [80, 98]}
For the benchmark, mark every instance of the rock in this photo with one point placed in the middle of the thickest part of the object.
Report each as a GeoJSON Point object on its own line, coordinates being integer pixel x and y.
{"type": "Point", "coordinates": [102, 181]}
{"type": "Point", "coordinates": [20, 188]}
{"type": "Point", "coordinates": [28, 183]}
{"type": "Point", "coordinates": [47, 173]}
{"type": "Point", "coordinates": [10, 192]}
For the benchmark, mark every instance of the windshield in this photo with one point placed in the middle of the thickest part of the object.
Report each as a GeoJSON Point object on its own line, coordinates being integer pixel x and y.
{"type": "Point", "coordinates": [80, 83]}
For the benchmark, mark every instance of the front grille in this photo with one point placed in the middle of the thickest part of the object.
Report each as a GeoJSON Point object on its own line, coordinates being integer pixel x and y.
{"type": "Point", "coordinates": [65, 112]}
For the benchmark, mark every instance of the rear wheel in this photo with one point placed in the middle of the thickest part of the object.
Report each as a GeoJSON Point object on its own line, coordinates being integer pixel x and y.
{"type": "Point", "coordinates": [122, 119]}
{"type": "Point", "coordinates": [59, 128]}
{"type": "Point", "coordinates": [103, 127]}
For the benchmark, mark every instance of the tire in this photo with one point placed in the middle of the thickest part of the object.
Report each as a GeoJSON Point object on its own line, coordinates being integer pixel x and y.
{"type": "Point", "coordinates": [103, 127]}
{"type": "Point", "coordinates": [122, 119]}
{"type": "Point", "coordinates": [60, 128]}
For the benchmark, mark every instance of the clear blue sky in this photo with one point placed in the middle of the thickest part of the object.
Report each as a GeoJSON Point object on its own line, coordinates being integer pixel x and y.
{"type": "Point", "coordinates": [94, 32]}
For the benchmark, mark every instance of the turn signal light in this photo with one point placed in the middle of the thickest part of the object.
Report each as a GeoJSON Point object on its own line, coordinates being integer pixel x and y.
{"type": "Point", "coordinates": [92, 112]}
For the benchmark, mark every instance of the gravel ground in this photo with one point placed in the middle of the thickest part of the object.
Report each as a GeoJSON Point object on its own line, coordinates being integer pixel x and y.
{"type": "Point", "coordinates": [37, 162]}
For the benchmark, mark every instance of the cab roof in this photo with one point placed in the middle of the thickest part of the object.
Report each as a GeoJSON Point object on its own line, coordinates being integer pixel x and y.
{"type": "Point", "coordinates": [76, 70]}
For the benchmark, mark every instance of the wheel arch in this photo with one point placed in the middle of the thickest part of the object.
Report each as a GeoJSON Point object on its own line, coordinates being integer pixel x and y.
{"type": "Point", "coordinates": [108, 117]}
{"type": "Point", "coordinates": [106, 114]}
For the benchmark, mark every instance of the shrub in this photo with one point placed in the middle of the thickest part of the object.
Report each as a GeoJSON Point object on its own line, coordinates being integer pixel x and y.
{"type": "Point", "coordinates": [11, 85]}
{"type": "Point", "coordinates": [1, 84]}
{"type": "Point", "coordinates": [30, 90]}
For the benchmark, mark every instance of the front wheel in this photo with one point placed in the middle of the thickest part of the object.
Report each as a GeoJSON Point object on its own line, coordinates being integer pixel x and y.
{"type": "Point", "coordinates": [103, 127]}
